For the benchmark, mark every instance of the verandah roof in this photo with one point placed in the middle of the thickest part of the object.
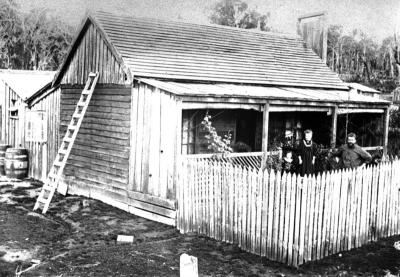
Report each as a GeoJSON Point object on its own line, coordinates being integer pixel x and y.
{"type": "Point", "coordinates": [263, 92]}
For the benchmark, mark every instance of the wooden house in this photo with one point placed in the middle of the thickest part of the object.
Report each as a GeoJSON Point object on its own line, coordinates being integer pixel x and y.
{"type": "Point", "coordinates": [16, 87]}
{"type": "Point", "coordinates": [157, 81]}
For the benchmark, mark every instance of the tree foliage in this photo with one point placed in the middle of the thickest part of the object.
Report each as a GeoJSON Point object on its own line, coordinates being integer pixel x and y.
{"type": "Point", "coordinates": [356, 57]}
{"type": "Point", "coordinates": [34, 40]}
{"type": "Point", "coordinates": [236, 13]}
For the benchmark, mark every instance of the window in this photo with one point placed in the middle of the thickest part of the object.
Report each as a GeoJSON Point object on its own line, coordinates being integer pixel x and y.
{"type": "Point", "coordinates": [36, 126]}
{"type": "Point", "coordinates": [13, 109]}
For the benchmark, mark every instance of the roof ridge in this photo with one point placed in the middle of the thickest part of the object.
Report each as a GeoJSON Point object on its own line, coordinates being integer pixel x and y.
{"type": "Point", "coordinates": [177, 21]}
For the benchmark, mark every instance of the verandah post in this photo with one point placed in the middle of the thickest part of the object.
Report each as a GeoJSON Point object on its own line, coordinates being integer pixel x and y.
{"type": "Point", "coordinates": [386, 131]}
{"type": "Point", "coordinates": [334, 126]}
{"type": "Point", "coordinates": [265, 134]}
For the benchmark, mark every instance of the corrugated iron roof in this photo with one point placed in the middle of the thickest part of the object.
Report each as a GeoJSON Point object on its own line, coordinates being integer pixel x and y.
{"type": "Point", "coordinates": [26, 82]}
{"type": "Point", "coordinates": [263, 92]}
{"type": "Point", "coordinates": [186, 51]}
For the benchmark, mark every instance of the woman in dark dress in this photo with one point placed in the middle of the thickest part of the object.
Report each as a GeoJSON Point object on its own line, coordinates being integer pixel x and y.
{"type": "Point", "coordinates": [306, 153]}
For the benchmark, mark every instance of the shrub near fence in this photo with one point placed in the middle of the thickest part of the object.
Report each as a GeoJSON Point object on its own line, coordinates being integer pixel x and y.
{"type": "Point", "coordinates": [285, 217]}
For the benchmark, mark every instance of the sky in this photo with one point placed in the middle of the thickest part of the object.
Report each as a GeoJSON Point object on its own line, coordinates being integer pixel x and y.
{"type": "Point", "coordinates": [377, 18]}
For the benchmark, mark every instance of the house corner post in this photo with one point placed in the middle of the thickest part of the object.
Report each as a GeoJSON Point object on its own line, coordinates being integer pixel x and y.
{"type": "Point", "coordinates": [386, 130]}
{"type": "Point", "coordinates": [178, 145]}
{"type": "Point", "coordinates": [265, 134]}
{"type": "Point", "coordinates": [334, 126]}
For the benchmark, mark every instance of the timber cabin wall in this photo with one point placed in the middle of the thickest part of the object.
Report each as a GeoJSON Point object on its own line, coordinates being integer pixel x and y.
{"type": "Point", "coordinates": [116, 153]}
{"type": "Point", "coordinates": [42, 154]}
{"type": "Point", "coordinates": [99, 159]}
{"type": "Point", "coordinates": [100, 154]}
{"type": "Point", "coordinates": [155, 115]}
{"type": "Point", "coordinates": [10, 124]}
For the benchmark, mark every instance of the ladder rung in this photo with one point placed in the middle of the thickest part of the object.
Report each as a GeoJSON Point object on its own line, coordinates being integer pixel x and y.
{"type": "Point", "coordinates": [58, 163]}
{"type": "Point", "coordinates": [72, 127]}
{"type": "Point", "coordinates": [81, 103]}
{"type": "Point", "coordinates": [48, 187]}
{"type": "Point", "coordinates": [40, 203]}
{"type": "Point", "coordinates": [86, 92]}
{"type": "Point", "coordinates": [91, 74]}
{"type": "Point", "coordinates": [76, 115]}
{"type": "Point", "coordinates": [67, 139]}
{"type": "Point", "coordinates": [52, 175]}
{"type": "Point", "coordinates": [63, 151]}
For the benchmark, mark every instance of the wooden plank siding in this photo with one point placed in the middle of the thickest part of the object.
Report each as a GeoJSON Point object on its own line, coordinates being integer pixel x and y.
{"type": "Point", "coordinates": [42, 154]}
{"type": "Point", "coordinates": [153, 141]}
{"type": "Point", "coordinates": [93, 54]}
{"type": "Point", "coordinates": [101, 166]}
{"type": "Point", "coordinates": [10, 125]}
{"type": "Point", "coordinates": [100, 155]}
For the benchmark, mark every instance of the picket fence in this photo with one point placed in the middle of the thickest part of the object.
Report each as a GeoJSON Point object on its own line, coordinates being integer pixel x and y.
{"type": "Point", "coordinates": [288, 218]}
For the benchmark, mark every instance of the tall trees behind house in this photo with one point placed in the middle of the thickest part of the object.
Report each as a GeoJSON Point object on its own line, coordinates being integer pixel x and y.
{"type": "Point", "coordinates": [34, 40]}
{"type": "Point", "coordinates": [236, 13]}
{"type": "Point", "coordinates": [358, 58]}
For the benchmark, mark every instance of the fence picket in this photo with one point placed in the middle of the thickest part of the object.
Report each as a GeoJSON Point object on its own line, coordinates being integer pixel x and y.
{"type": "Point", "coordinates": [264, 213]}
{"type": "Point", "coordinates": [294, 183]}
{"type": "Point", "coordinates": [327, 211]}
{"type": "Point", "coordinates": [318, 219]}
{"type": "Point", "coordinates": [271, 182]}
{"type": "Point", "coordinates": [297, 226]}
{"type": "Point", "coordinates": [283, 189]}
{"type": "Point", "coordinates": [259, 212]}
{"type": "Point", "coordinates": [320, 243]}
{"type": "Point", "coordinates": [304, 188]}
{"type": "Point", "coordinates": [336, 201]}
{"type": "Point", "coordinates": [287, 217]}
{"type": "Point", "coordinates": [276, 216]}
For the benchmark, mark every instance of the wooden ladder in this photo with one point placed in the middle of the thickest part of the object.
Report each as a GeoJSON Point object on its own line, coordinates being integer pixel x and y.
{"type": "Point", "coordinates": [54, 176]}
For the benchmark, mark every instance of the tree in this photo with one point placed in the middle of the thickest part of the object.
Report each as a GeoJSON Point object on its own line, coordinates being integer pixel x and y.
{"type": "Point", "coordinates": [33, 40]}
{"type": "Point", "coordinates": [46, 40]}
{"type": "Point", "coordinates": [236, 13]}
{"type": "Point", "coordinates": [10, 31]}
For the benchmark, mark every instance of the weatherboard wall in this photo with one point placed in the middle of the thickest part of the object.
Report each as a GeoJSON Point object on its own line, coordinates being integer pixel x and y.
{"type": "Point", "coordinates": [43, 153]}
{"type": "Point", "coordinates": [100, 154]}
{"type": "Point", "coordinates": [125, 150]}
{"type": "Point", "coordinates": [10, 124]}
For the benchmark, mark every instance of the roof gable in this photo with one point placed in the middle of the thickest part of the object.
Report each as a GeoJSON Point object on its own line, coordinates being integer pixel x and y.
{"type": "Point", "coordinates": [211, 53]}
{"type": "Point", "coordinates": [91, 51]}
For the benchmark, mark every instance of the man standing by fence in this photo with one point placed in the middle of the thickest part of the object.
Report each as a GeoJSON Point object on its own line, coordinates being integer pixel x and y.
{"type": "Point", "coordinates": [351, 154]}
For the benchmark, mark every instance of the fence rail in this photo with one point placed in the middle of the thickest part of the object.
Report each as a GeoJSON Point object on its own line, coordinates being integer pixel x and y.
{"type": "Point", "coordinates": [285, 217]}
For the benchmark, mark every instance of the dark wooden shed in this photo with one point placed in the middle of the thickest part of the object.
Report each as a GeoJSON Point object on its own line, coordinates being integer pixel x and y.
{"type": "Point", "coordinates": [156, 80]}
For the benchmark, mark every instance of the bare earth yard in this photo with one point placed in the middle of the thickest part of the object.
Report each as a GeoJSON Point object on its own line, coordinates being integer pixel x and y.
{"type": "Point", "coordinates": [77, 237]}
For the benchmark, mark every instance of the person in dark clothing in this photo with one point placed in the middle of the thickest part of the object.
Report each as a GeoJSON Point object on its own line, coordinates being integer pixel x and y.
{"type": "Point", "coordinates": [352, 155]}
{"type": "Point", "coordinates": [306, 153]}
{"type": "Point", "coordinates": [287, 164]}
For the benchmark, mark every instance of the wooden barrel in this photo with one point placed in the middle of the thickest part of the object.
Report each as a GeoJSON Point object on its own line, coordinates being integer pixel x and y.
{"type": "Point", "coordinates": [16, 163]}
{"type": "Point", "coordinates": [3, 148]}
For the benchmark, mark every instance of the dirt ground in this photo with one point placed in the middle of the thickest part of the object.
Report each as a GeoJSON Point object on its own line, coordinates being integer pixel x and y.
{"type": "Point", "coordinates": [77, 237]}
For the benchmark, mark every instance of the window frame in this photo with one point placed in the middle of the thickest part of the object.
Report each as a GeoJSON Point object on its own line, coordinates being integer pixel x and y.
{"type": "Point", "coordinates": [36, 126]}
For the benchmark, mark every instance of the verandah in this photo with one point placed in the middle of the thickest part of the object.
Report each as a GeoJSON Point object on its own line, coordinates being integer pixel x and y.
{"type": "Point", "coordinates": [288, 218]}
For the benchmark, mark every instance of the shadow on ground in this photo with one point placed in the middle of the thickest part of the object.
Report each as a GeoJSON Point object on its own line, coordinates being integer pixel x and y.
{"type": "Point", "coordinates": [77, 237]}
